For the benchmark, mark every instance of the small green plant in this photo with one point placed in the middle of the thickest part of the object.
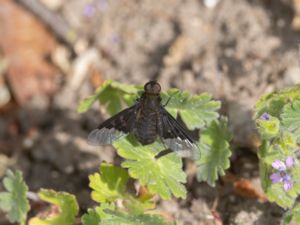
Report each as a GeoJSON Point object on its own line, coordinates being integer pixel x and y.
{"type": "Point", "coordinates": [162, 176]}
{"type": "Point", "coordinates": [14, 201]}
{"type": "Point", "coordinates": [277, 117]}
{"type": "Point", "coordinates": [109, 187]}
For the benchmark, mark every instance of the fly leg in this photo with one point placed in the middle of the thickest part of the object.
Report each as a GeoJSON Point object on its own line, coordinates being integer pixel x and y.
{"type": "Point", "coordinates": [160, 132]}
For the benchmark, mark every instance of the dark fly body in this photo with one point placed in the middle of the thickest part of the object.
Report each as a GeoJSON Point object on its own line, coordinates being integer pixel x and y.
{"type": "Point", "coordinates": [148, 120]}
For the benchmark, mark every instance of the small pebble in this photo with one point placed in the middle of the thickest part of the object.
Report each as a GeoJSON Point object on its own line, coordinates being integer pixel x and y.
{"type": "Point", "coordinates": [211, 3]}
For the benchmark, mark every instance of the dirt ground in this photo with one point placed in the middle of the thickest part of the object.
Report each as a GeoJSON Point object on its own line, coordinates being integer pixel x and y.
{"type": "Point", "coordinates": [237, 50]}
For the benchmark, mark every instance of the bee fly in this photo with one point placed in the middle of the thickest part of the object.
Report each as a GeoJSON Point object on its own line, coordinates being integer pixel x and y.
{"type": "Point", "coordinates": [147, 119]}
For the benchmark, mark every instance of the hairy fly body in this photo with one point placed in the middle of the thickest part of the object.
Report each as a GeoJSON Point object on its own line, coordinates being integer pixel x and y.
{"type": "Point", "coordinates": [148, 120]}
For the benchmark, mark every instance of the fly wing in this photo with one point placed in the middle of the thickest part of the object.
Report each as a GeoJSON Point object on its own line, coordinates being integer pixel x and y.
{"type": "Point", "coordinates": [175, 136]}
{"type": "Point", "coordinates": [114, 127]}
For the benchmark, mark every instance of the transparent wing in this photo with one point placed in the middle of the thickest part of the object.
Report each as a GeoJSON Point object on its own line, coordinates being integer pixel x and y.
{"type": "Point", "coordinates": [104, 136]}
{"type": "Point", "coordinates": [175, 136]}
{"type": "Point", "coordinates": [114, 128]}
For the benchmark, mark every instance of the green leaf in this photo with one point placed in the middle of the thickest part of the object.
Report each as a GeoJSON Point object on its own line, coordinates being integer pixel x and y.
{"type": "Point", "coordinates": [138, 205]}
{"type": "Point", "coordinates": [281, 143]}
{"type": "Point", "coordinates": [268, 153]}
{"type": "Point", "coordinates": [292, 215]}
{"type": "Point", "coordinates": [163, 176]}
{"type": "Point", "coordinates": [196, 111]}
{"type": "Point", "coordinates": [111, 94]}
{"type": "Point", "coordinates": [285, 143]}
{"type": "Point", "coordinates": [94, 216]}
{"type": "Point", "coordinates": [296, 213]}
{"type": "Point", "coordinates": [109, 184]}
{"type": "Point", "coordinates": [287, 218]}
{"type": "Point", "coordinates": [14, 201]}
{"type": "Point", "coordinates": [268, 128]}
{"type": "Point", "coordinates": [273, 103]}
{"type": "Point", "coordinates": [215, 152]}
{"type": "Point", "coordinates": [107, 214]}
{"type": "Point", "coordinates": [68, 208]}
{"type": "Point", "coordinates": [119, 218]}
{"type": "Point", "coordinates": [276, 193]}
{"type": "Point", "coordinates": [91, 218]}
{"type": "Point", "coordinates": [291, 118]}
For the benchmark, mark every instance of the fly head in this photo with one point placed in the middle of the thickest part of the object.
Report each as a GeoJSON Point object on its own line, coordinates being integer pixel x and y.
{"type": "Point", "coordinates": [152, 87]}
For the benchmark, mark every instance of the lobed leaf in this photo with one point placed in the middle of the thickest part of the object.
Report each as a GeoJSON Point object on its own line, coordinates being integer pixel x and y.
{"type": "Point", "coordinates": [67, 204]}
{"type": "Point", "coordinates": [268, 153]}
{"type": "Point", "coordinates": [280, 141]}
{"type": "Point", "coordinates": [196, 111]}
{"type": "Point", "coordinates": [109, 184]}
{"type": "Point", "coordinates": [90, 218]}
{"type": "Point", "coordinates": [291, 118]}
{"type": "Point", "coordinates": [111, 94]}
{"type": "Point", "coordinates": [94, 216]}
{"type": "Point", "coordinates": [268, 128]}
{"type": "Point", "coordinates": [273, 103]}
{"type": "Point", "coordinates": [139, 204]}
{"type": "Point", "coordinates": [215, 152]}
{"type": "Point", "coordinates": [276, 193]}
{"type": "Point", "coordinates": [163, 176]}
{"type": "Point", "coordinates": [120, 218]}
{"type": "Point", "coordinates": [107, 214]}
{"type": "Point", "coordinates": [296, 213]}
{"type": "Point", "coordinates": [14, 201]}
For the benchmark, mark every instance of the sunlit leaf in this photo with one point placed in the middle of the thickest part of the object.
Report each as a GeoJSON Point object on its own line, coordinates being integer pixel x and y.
{"type": "Point", "coordinates": [119, 218]}
{"type": "Point", "coordinates": [287, 218]}
{"type": "Point", "coordinates": [107, 214]}
{"type": "Point", "coordinates": [276, 193]}
{"type": "Point", "coordinates": [273, 103]}
{"type": "Point", "coordinates": [196, 111]}
{"type": "Point", "coordinates": [163, 176]}
{"type": "Point", "coordinates": [14, 201]}
{"type": "Point", "coordinates": [291, 118]}
{"type": "Point", "coordinates": [111, 94]}
{"type": "Point", "coordinates": [140, 203]}
{"type": "Point", "coordinates": [296, 213]}
{"type": "Point", "coordinates": [67, 204]}
{"type": "Point", "coordinates": [215, 152]}
{"type": "Point", "coordinates": [94, 216]}
{"type": "Point", "coordinates": [292, 215]}
{"type": "Point", "coordinates": [109, 184]}
{"type": "Point", "coordinates": [268, 153]}
{"type": "Point", "coordinates": [90, 218]}
{"type": "Point", "coordinates": [268, 128]}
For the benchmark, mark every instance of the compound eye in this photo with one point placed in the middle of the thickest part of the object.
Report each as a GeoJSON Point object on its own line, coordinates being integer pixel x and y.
{"type": "Point", "coordinates": [156, 88]}
{"type": "Point", "coordinates": [152, 87]}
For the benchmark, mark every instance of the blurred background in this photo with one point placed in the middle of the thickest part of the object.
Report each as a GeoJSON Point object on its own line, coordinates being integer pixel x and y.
{"type": "Point", "coordinates": [53, 53]}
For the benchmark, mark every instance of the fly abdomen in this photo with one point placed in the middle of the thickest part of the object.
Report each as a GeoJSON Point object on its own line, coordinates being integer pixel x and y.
{"type": "Point", "coordinates": [146, 129]}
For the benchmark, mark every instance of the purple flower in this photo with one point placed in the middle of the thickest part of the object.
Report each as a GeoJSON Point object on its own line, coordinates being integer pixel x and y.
{"type": "Point", "coordinates": [265, 116]}
{"type": "Point", "coordinates": [282, 174]}
{"type": "Point", "coordinates": [115, 38]}
{"type": "Point", "coordinates": [89, 10]}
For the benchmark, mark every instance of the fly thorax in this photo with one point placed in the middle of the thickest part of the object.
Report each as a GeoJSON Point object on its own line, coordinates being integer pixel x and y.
{"type": "Point", "coordinates": [146, 127]}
